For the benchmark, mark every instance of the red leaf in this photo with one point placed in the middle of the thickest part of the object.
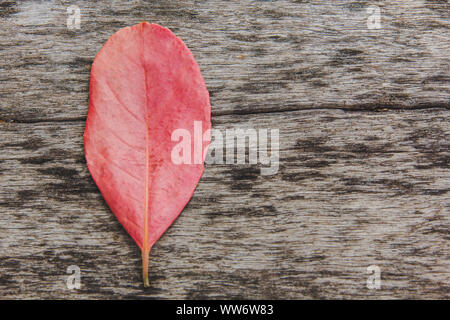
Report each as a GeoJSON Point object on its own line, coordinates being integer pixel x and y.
{"type": "Point", "coordinates": [145, 84]}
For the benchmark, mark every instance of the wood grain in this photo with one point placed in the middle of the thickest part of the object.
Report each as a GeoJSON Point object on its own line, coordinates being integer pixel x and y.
{"type": "Point", "coordinates": [256, 56]}
{"type": "Point", "coordinates": [363, 176]}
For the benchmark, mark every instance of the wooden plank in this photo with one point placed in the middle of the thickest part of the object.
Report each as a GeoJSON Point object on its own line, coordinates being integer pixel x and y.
{"type": "Point", "coordinates": [353, 189]}
{"type": "Point", "coordinates": [256, 56]}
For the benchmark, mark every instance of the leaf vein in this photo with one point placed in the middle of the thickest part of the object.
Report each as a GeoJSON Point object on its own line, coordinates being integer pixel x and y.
{"type": "Point", "coordinates": [121, 103]}
{"type": "Point", "coordinates": [118, 166]}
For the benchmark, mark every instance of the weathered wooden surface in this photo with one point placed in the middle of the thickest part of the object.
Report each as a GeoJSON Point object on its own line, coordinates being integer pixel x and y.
{"type": "Point", "coordinates": [255, 55]}
{"type": "Point", "coordinates": [364, 149]}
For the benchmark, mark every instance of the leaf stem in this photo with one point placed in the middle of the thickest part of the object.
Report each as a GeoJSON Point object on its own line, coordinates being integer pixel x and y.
{"type": "Point", "coordinates": [145, 255]}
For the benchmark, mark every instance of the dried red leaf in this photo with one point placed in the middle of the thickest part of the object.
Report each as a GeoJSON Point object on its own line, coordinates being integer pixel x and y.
{"type": "Point", "coordinates": [145, 84]}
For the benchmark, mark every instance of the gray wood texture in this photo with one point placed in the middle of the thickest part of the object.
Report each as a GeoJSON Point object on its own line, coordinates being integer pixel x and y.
{"type": "Point", "coordinates": [364, 153]}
